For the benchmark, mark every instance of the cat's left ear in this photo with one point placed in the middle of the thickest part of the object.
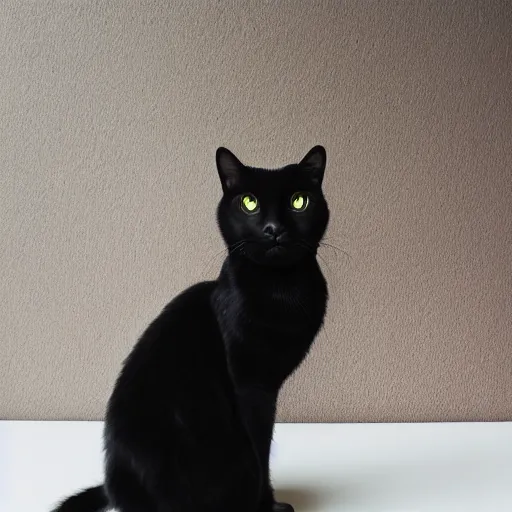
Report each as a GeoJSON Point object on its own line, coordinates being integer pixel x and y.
{"type": "Point", "coordinates": [314, 163]}
{"type": "Point", "coordinates": [229, 168]}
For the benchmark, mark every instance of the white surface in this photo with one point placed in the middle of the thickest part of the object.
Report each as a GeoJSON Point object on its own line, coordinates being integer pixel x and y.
{"type": "Point", "coordinates": [324, 468]}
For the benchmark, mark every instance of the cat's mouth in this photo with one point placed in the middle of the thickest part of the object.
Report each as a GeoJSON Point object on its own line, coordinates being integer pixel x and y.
{"type": "Point", "coordinates": [276, 250]}
{"type": "Point", "coordinates": [274, 253]}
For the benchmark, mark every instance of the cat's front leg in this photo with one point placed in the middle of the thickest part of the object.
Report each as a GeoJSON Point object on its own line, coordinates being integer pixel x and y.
{"type": "Point", "coordinates": [258, 409]}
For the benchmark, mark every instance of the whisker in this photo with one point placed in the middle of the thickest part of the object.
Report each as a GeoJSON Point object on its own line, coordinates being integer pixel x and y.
{"type": "Point", "coordinates": [324, 261]}
{"type": "Point", "coordinates": [336, 248]}
{"type": "Point", "coordinates": [306, 246]}
{"type": "Point", "coordinates": [234, 247]}
{"type": "Point", "coordinates": [311, 249]}
{"type": "Point", "coordinates": [214, 259]}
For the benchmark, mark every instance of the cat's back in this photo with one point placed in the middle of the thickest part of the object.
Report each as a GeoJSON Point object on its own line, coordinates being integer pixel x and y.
{"type": "Point", "coordinates": [178, 352]}
{"type": "Point", "coordinates": [179, 326]}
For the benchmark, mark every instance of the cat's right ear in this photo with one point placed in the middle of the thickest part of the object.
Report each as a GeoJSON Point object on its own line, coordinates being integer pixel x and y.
{"type": "Point", "coordinates": [229, 168]}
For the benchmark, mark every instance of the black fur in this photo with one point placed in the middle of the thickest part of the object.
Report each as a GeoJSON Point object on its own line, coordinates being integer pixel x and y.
{"type": "Point", "coordinates": [190, 421]}
{"type": "Point", "coordinates": [93, 498]}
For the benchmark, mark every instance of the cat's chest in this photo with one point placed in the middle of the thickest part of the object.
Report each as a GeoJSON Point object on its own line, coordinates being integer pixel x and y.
{"type": "Point", "coordinates": [279, 308]}
{"type": "Point", "coordinates": [266, 303]}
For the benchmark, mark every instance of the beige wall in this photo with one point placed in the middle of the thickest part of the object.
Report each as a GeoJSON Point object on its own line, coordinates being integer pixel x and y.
{"type": "Point", "coordinates": [110, 113]}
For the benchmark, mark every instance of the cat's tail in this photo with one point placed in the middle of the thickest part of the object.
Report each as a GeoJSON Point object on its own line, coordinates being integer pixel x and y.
{"type": "Point", "coordinates": [93, 499]}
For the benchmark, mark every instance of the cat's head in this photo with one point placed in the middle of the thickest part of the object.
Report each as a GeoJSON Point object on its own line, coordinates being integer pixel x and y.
{"type": "Point", "coordinates": [272, 217]}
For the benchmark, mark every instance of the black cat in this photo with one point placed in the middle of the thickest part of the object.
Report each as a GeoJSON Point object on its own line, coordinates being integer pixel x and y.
{"type": "Point", "coordinates": [190, 421]}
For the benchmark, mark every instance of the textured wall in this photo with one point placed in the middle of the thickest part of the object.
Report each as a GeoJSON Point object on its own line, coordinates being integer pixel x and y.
{"type": "Point", "coordinates": [110, 115]}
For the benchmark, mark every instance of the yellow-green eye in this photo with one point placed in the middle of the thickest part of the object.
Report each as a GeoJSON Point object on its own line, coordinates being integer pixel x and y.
{"type": "Point", "coordinates": [249, 203]}
{"type": "Point", "coordinates": [299, 201]}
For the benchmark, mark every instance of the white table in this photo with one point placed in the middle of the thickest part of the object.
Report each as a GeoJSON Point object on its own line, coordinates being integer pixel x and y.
{"type": "Point", "coordinates": [325, 468]}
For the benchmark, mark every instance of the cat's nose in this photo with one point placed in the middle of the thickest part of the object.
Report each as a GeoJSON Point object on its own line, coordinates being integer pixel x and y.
{"type": "Point", "coordinates": [273, 230]}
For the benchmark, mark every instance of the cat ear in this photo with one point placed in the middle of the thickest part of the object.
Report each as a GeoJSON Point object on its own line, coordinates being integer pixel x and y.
{"type": "Point", "coordinates": [314, 163]}
{"type": "Point", "coordinates": [229, 168]}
